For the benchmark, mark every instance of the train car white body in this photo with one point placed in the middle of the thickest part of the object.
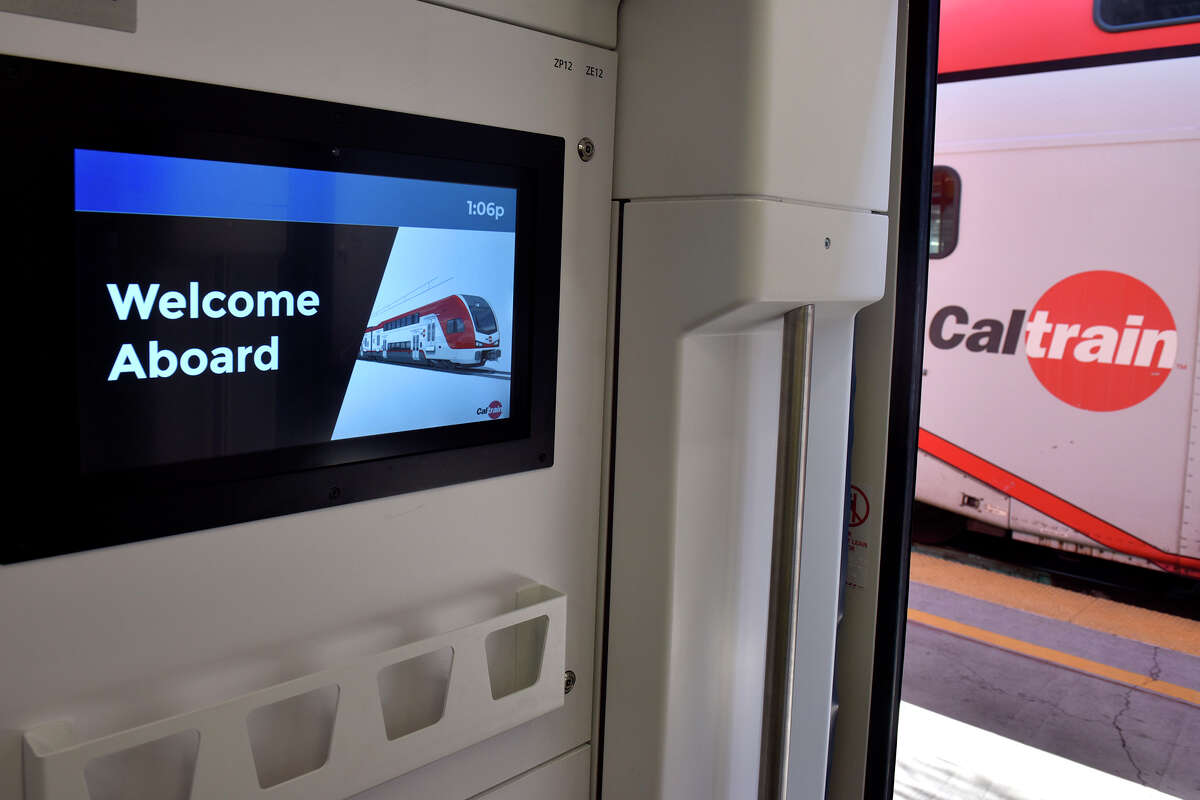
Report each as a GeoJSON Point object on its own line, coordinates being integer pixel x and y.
{"type": "Point", "coordinates": [1067, 172]}
{"type": "Point", "coordinates": [445, 333]}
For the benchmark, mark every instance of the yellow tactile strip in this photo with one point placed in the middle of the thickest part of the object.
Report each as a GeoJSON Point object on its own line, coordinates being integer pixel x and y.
{"type": "Point", "coordinates": [1098, 614]}
{"type": "Point", "coordinates": [1088, 666]}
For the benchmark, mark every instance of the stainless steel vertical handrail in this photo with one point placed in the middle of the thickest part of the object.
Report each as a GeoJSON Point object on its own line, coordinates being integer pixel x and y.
{"type": "Point", "coordinates": [792, 452]}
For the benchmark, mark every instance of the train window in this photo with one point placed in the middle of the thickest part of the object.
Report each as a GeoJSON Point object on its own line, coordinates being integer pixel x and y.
{"type": "Point", "coordinates": [943, 212]}
{"type": "Point", "coordinates": [1125, 15]}
{"type": "Point", "coordinates": [485, 320]}
{"type": "Point", "coordinates": [454, 326]}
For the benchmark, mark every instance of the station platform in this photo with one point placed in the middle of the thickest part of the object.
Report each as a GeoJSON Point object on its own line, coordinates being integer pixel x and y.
{"type": "Point", "coordinates": [1015, 689]}
{"type": "Point", "coordinates": [969, 763]}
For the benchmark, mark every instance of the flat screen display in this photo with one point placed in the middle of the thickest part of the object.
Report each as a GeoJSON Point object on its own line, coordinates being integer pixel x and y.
{"type": "Point", "coordinates": [230, 308]}
{"type": "Point", "coordinates": [235, 305]}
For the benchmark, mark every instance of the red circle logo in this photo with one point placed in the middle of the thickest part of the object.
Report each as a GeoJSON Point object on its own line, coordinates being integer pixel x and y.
{"type": "Point", "coordinates": [1101, 340]}
{"type": "Point", "coordinates": [494, 409]}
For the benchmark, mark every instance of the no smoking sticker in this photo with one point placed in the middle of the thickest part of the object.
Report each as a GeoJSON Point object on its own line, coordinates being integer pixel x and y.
{"type": "Point", "coordinates": [860, 509]}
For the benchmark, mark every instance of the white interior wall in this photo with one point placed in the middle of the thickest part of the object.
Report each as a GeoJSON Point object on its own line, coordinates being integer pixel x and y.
{"type": "Point", "coordinates": [118, 637]}
{"type": "Point", "coordinates": [589, 21]}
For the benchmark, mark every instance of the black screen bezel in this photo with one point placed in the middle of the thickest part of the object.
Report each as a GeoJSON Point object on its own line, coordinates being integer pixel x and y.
{"type": "Point", "coordinates": [56, 108]}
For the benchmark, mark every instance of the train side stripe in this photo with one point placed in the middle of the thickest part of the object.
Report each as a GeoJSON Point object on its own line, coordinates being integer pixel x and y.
{"type": "Point", "coordinates": [1052, 505]}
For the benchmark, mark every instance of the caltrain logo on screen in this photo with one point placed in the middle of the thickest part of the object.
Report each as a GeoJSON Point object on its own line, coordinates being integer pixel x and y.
{"type": "Point", "coordinates": [494, 410]}
{"type": "Point", "coordinates": [1098, 340]}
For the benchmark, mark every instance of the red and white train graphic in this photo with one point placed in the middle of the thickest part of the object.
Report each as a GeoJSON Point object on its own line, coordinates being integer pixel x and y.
{"type": "Point", "coordinates": [457, 331]}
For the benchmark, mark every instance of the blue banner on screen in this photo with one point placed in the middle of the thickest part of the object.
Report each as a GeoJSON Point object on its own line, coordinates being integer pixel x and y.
{"type": "Point", "coordinates": [129, 183]}
{"type": "Point", "coordinates": [230, 308]}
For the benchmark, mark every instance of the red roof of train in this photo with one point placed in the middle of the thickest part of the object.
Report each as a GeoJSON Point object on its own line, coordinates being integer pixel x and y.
{"type": "Point", "coordinates": [446, 306]}
{"type": "Point", "coordinates": [985, 34]}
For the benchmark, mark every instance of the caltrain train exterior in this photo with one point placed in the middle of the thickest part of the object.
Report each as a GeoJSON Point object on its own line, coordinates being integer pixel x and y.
{"type": "Point", "coordinates": [456, 331]}
{"type": "Point", "coordinates": [1060, 397]}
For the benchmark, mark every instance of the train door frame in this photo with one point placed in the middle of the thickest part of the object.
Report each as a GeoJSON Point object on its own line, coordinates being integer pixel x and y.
{"type": "Point", "coordinates": [896, 446]}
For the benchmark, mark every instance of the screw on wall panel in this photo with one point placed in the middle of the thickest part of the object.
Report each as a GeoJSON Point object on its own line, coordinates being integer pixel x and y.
{"type": "Point", "coordinates": [586, 148]}
{"type": "Point", "coordinates": [828, 242]}
{"type": "Point", "coordinates": [568, 681]}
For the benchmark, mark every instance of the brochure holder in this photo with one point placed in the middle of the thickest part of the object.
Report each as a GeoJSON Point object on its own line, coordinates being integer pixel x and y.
{"type": "Point", "coordinates": [360, 754]}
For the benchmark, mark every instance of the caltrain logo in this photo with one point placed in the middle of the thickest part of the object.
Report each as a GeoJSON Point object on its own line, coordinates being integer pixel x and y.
{"type": "Point", "coordinates": [494, 410]}
{"type": "Point", "coordinates": [1098, 340]}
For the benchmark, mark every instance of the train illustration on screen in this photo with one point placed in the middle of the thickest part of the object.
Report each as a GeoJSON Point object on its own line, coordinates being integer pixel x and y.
{"type": "Point", "coordinates": [456, 331]}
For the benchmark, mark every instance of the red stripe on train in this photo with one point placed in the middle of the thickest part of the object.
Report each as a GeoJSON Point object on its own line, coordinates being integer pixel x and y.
{"type": "Point", "coordinates": [1052, 505]}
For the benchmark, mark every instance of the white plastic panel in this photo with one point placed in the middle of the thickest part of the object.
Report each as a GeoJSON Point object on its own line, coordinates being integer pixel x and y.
{"type": "Point", "coordinates": [120, 15]}
{"type": "Point", "coordinates": [361, 753]}
{"type": "Point", "coordinates": [117, 638]}
{"type": "Point", "coordinates": [591, 21]}
{"type": "Point", "coordinates": [565, 778]}
{"type": "Point", "coordinates": [761, 97]}
{"type": "Point", "coordinates": [754, 146]}
{"type": "Point", "coordinates": [703, 286]}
